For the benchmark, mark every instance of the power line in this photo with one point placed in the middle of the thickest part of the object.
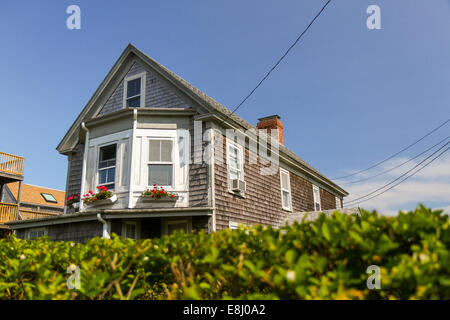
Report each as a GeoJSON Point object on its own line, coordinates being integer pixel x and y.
{"type": "Point", "coordinates": [397, 166]}
{"type": "Point", "coordinates": [402, 175]}
{"type": "Point", "coordinates": [389, 158]}
{"type": "Point", "coordinates": [405, 177]}
{"type": "Point", "coordinates": [284, 55]}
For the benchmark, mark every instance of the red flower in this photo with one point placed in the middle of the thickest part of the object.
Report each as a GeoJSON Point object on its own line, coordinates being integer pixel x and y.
{"type": "Point", "coordinates": [92, 193]}
{"type": "Point", "coordinates": [172, 196]}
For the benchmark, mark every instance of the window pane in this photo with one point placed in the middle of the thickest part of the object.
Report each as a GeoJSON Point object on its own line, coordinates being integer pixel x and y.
{"type": "Point", "coordinates": [134, 87]}
{"type": "Point", "coordinates": [171, 227]}
{"type": "Point", "coordinates": [155, 150]}
{"type": "Point", "coordinates": [102, 176]}
{"type": "Point", "coordinates": [166, 150]}
{"type": "Point", "coordinates": [284, 181]}
{"type": "Point", "coordinates": [107, 175]}
{"type": "Point", "coordinates": [160, 174]}
{"type": "Point", "coordinates": [234, 174]}
{"type": "Point", "coordinates": [317, 205]}
{"type": "Point", "coordinates": [111, 175]}
{"type": "Point", "coordinates": [134, 102]}
{"type": "Point", "coordinates": [286, 199]}
{"type": "Point", "coordinates": [108, 153]}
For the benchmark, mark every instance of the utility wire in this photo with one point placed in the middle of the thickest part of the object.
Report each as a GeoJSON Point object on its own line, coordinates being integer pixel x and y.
{"type": "Point", "coordinates": [405, 177]}
{"type": "Point", "coordinates": [402, 175]}
{"type": "Point", "coordinates": [284, 55]}
{"type": "Point", "coordinates": [389, 158]}
{"type": "Point", "coordinates": [397, 166]}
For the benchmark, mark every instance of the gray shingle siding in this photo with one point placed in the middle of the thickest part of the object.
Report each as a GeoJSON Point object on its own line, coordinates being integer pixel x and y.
{"type": "Point", "coordinates": [198, 176]}
{"type": "Point", "coordinates": [75, 168]}
{"type": "Point", "coordinates": [157, 94]}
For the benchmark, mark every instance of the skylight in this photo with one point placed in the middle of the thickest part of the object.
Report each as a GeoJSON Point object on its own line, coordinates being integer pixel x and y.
{"type": "Point", "coordinates": [49, 197]}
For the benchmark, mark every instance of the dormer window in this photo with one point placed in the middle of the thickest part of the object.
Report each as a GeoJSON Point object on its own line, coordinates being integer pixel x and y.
{"type": "Point", "coordinates": [134, 91]}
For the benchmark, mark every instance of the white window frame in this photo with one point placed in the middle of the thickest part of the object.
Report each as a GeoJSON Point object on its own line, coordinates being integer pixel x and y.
{"type": "Point", "coordinates": [136, 225]}
{"type": "Point", "coordinates": [240, 149]}
{"type": "Point", "coordinates": [316, 188]}
{"type": "Point", "coordinates": [142, 76]}
{"type": "Point", "coordinates": [36, 229]}
{"type": "Point", "coordinates": [166, 224]}
{"type": "Point", "coordinates": [338, 203]}
{"type": "Point", "coordinates": [283, 171]}
{"type": "Point", "coordinates": [107, 168]}
{"type": "Point", "coordinates": [161, 162]}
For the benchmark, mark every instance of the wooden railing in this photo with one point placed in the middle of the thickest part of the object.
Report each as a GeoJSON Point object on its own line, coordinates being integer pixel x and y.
{"type": "Point", "coordinates": [8, 213]}
{"type": "Point", "coordinates": [11, 164]}
{"type": "Point", "coordinates": [29, 214]}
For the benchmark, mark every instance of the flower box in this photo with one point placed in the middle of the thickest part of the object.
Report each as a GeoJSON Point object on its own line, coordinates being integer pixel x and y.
{"type": "Point", "coordinates": [102, 201]}
{"type": "Point", "coordinates": [149, 198]}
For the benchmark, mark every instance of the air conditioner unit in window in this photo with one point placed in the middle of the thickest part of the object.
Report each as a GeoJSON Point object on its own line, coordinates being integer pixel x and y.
{"type": "Point", "coordinates": [238, 185]}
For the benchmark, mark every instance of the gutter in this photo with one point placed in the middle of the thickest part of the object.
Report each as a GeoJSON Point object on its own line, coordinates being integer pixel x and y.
{"type": "Point", "coordinates": [105, 226]}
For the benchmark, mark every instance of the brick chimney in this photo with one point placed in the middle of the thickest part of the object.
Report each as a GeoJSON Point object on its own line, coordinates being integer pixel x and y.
{"type": "Point", "coordinates": [272, 122]}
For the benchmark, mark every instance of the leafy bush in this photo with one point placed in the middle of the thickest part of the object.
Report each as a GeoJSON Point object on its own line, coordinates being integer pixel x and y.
{"type": "Point", "coordinates": [323, 259]}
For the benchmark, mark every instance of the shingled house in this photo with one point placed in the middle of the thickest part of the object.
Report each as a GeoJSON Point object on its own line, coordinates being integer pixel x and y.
{"type": "Point", "coordinates": [146, 126]}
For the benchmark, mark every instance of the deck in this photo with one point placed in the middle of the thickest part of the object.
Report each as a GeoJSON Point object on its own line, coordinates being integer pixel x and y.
{"type": "Point", "coordinates": [11, 168]}
{"type": "Point", "coordinates": [8, 212]}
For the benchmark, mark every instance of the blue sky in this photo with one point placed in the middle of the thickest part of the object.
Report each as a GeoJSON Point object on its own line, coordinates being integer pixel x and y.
{"type": "Point", "coordinates": [348, 96]}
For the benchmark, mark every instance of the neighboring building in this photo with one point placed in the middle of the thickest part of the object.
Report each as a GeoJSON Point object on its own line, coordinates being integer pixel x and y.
{"type": "Point", "coordinates": [35, 199]}
{"type": "Point", "coordinates": [19, 201]}
{"type": "Point", "coordinates": [145, 125]}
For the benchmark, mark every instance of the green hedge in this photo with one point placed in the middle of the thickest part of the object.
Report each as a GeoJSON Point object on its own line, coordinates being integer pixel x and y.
{"type": "Point", "coordinates": [323, 259]}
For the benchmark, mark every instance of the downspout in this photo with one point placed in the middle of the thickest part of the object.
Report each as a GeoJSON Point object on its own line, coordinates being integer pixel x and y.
{"type": "Point", "coordinates": [83, 172]}
{"type": "Point", "coordinates": [131, 152]}
{"type": "Point", "coordinates": [105, 226]}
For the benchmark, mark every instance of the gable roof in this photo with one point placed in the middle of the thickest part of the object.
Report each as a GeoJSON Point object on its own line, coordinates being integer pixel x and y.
{"type": "Point", "coordinates": [32, 194]}
{"type": "Point", "coordinates": [217, 109]}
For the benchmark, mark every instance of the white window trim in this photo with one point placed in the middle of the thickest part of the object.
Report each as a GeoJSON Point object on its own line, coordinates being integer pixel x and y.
{"type": "Point", "coordinates": [166, 224]}
{"type": "Point", "coordinates": [286, 190]}
{"type": "Point", "coordinates": [317, 200]}
{"type": "Point", "coordinates": [241, 157]}
{"type": "Point", "coordinates": [36, 229]}
{"type": "Point", "coordinates": [136, 224]}
{"type": "Point", "coordinates": [98, 161]}
{"type": "Point", "coordinates": [141, 75]}
{"type": "Point", "coordinates": [173, 163]}
{"type": "Point", "coordinates": [338, 201]}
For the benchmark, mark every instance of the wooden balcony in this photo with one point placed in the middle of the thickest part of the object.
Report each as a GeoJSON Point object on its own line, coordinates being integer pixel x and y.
{"type": "Point", "coordinates": [11, 168]}
{"type": "Point", "coordinates": [8, 212]}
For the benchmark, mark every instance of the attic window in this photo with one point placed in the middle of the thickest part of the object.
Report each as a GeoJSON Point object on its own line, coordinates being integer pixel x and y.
{"type": "Point", "coordinates": [134, 91]}
{"type": "Point", "coordinates": [49, 197]}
